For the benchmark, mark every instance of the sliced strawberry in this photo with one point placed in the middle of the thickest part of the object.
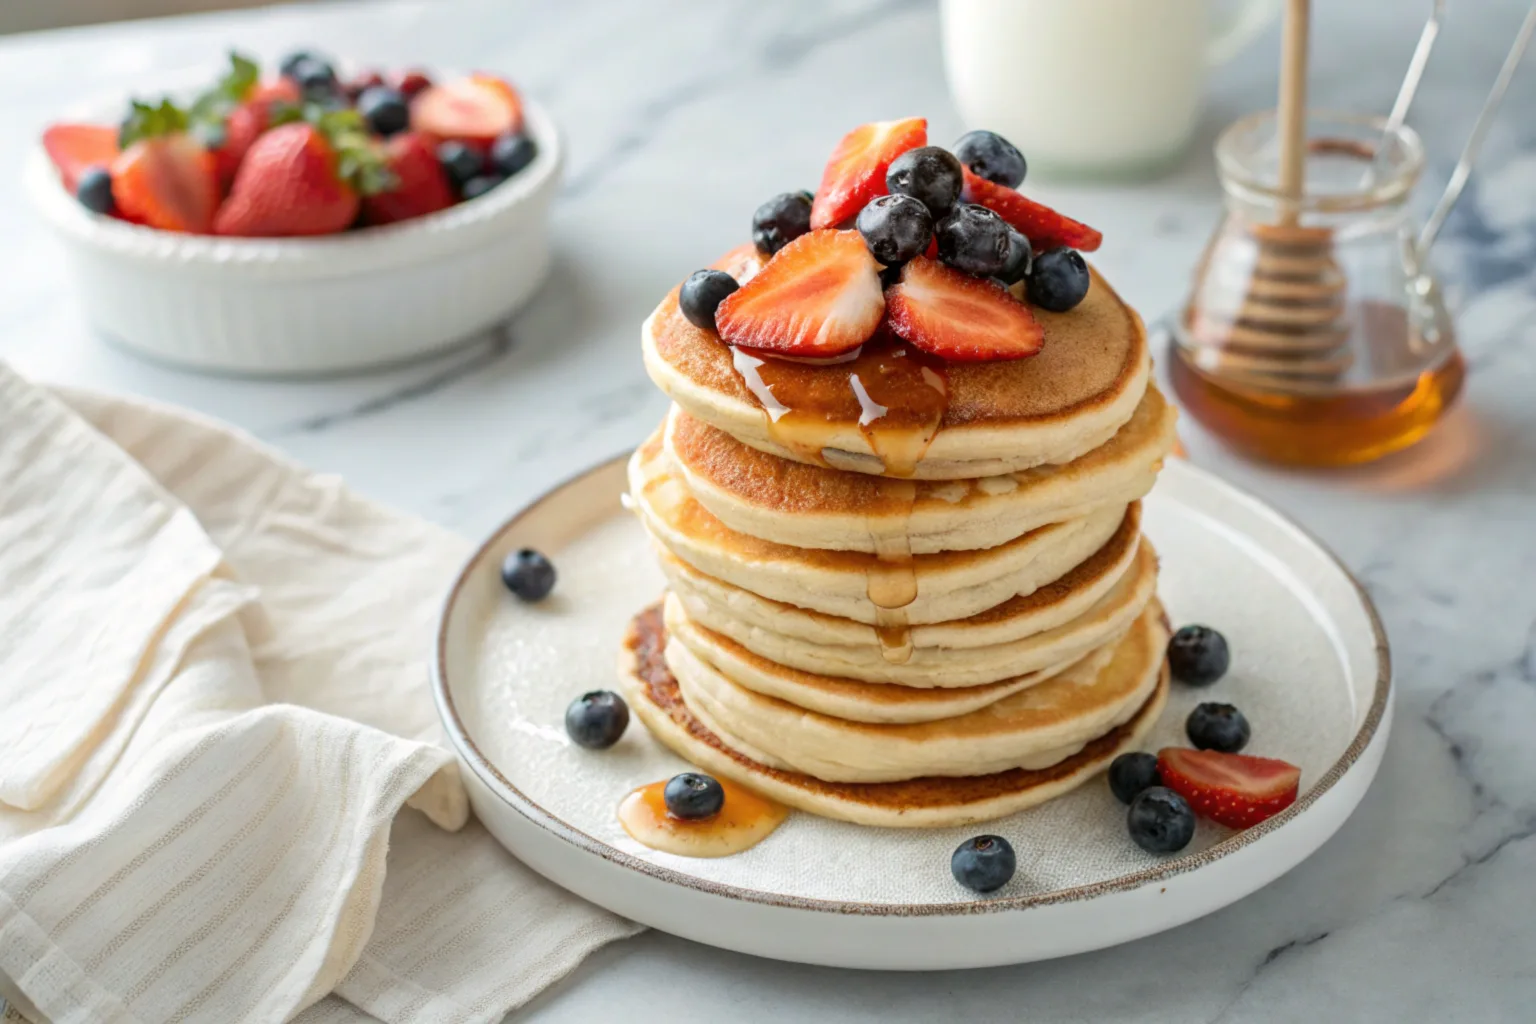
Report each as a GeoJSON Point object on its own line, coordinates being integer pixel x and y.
{"type": "Point", "coordinates": [475, 110]}
{"type": "Point", "coordinates": [856, 172]}
{"type": "Point", "coordinates": [168, 182]}
{"type": "Point", "coordinates": [1043, 226]}
{"type": "Point", "coordinates": [1230, 789]}
{"type": "Point", "coordinates": [959, 317]}
{"type": "Point", "coordinates": [75, 148]}
{"type": "Point", "coordinates": [819, 296]}
{"type": "Point", "coordinates": [420, 184]}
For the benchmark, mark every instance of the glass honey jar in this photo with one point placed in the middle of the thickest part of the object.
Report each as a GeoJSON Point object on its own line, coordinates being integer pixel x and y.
{"type": "Point", "coordinates": [1315, 332]}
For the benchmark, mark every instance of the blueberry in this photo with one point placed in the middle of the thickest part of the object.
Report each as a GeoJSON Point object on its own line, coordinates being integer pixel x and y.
{"type": "Point", "coordinates": [780, 221]}
{"type": "Point", "coordinates": [983, 864]}
{"type": "Point", "coordinates": [702, 294]}
{"type": "Point", "coordinates": [1160, 821]}
{"type": "Point", "coordinates": [528, 574]}
{"type": "Point", "coordinates": [384, 109]}
{"type": "Point", "coordinates": [596, 720]}
{"type": "Point", "coordinates": [460, 162]}
{"type": "Point", "coordinates": [1059, 280]}
{"type": "Point", "coordinates": [289, 65]}
{"type": "Point", "coordinates": [1021, 257]}
{"type": "Point", "coordinates": [928, 174]}
{"type": "Point", "coordinates": [1129, 774]}
{"type": "Point", "coordinates": [1198, 655]}
{"type": "Point", "coordinates": [94, 190]}
{"type": "Point", "coordinates": [974, 239]}
{"type": "Point", "coordinates": [1217, 727]}
{"type": "Point", "coordinates": [479, 185]}
{"type": "Point", "coordinates": [896, 228]}
{"type": "Point", "coordinates": [511, 153]}
{"type": "Point", "coordinates": [993, 157]}
{"type": "Point", "coordinates": [314, 77]}
{"type": "Point", "coordinates": [693, 795]}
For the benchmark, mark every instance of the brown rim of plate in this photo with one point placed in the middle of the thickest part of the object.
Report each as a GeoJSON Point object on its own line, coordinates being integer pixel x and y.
{"type": "Point", "coordinates": [519, 801]}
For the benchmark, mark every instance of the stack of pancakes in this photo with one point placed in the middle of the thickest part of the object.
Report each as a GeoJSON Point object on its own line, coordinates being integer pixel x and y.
{"type": "Point", "coordinates": [899, 623]}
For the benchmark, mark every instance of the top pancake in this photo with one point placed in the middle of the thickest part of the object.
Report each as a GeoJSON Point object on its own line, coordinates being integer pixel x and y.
{"type": "Point", "coordinates": [1000, 416]}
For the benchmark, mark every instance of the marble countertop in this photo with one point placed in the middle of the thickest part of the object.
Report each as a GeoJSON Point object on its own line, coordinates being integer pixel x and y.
{"type": "Point", "coordinates": [681, 117]}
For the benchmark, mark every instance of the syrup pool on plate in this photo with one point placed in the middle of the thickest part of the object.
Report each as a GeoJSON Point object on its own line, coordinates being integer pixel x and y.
{"type": "Point", "coordinates": [896, 396]}
{"type": "Point", "coordinates": [744, 820]}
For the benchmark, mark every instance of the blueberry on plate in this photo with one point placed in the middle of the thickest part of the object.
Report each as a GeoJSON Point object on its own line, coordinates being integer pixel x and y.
{"type": "Point", "coordinates": [1021, 257]}
{"type": "Point", "coordinates": [975, 240]}
{"type": "Point", "coordinates": [993, 157]}
{"type": "Point", "coordinates": [1059, 280]}
{"type": "Point", "coordinates": [1198, 655]}
{"type": "Point", "coordinates": [596, 720]}
{"type": "Point", "coordinates": [384, 109]}
{"type": "Point", "coordinates": [461, 163]}
{"type": "Point", "coordinates": [702, 294]}
{"type": "Point", "coordinates": [511, 153]}
{"type": "Point", "coordinates": [895, 227]}
{"type": "Point", "coordinates": [693, 796]}
{"type": "Point", "coordinates": [780, 221]}
{"type": "Point", "coordinates": [479, 185]}
{"type": "Point", "coordinates": [983, 863]}
{"type": "Point", "coordinates": [1217, 727]}
{"type": "Point", "coordinates": [528, 574]}
{"type": "Point", "coordinates": [94, 190]}
{"type": "Point", "coordinates": [1130, 774]}
{"type": "Point", "coordinates": [1160, 821]}
{"type": "Point", "coordinates": [928, 174]}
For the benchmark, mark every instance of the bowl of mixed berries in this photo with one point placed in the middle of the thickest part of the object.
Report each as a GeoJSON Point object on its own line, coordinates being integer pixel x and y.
{"type": "Point", "coordinates": [305, 220]}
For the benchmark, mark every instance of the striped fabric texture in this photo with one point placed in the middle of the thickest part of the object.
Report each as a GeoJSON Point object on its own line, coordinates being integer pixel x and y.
{"type": "Point", "coordinates": [222, 795]}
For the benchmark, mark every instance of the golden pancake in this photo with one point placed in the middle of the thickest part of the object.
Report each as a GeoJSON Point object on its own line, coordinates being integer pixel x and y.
{"type": "Point", "coordinates": [949, 585]}
{"type": "Point", "coordinates": [974, 665]}
{"type": "Point", "coordinates": [937, 802]}
{"type": "Point", "coordinates": [1047, 607]}
{"type": "Point", "coordinates": [987, 418]}
{"type": "Point", "coordinates": [794, 503]}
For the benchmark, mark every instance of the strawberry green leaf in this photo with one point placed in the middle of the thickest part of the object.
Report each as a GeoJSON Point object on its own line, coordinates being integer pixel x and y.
{"type": "Point", "coordinates": [146, 121]}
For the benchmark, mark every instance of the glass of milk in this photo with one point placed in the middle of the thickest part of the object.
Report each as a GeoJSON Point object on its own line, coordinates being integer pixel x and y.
{"type": "Point", "coordinates": [1105, 88]}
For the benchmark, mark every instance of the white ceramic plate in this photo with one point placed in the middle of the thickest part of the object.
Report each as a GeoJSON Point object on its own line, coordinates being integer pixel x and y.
{"type": "Point", "coordinates": [1310, 670]}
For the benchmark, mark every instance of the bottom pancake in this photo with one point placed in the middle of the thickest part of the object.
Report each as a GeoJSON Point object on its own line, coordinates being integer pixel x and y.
{"type": "Point", "coordinates": [655, 697]}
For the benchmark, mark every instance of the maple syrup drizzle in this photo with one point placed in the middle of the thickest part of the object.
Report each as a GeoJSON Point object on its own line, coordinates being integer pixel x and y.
{"type": "Point", "coordinates": [896, 396]}
{"type": "Point", "coordinates": [745, 819]}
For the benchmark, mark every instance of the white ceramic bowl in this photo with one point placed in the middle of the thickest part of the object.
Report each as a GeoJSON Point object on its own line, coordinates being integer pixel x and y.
{"type": "Point", "coordinates": [302, 306]}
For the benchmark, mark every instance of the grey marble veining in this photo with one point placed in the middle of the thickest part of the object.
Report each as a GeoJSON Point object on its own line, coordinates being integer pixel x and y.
{"type": "Point", "coordinates": [680, 118]}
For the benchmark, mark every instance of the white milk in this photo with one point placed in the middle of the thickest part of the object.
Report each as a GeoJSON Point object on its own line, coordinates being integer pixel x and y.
{"type": "Point", "coordinates": [1095, 86]}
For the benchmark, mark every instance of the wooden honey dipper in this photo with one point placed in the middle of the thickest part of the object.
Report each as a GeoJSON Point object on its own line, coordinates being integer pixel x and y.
{"type": "Point", "coordinates": [1269, 306]}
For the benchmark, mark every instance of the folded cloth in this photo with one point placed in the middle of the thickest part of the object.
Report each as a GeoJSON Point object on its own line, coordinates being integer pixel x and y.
{"type": "Point", "coordinates": [222, 795]}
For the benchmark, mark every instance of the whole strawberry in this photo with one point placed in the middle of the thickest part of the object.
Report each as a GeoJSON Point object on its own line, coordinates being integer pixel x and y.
{"type": "Point", "coordinates": [302, 178]}
{"type": "Point", "coordinates": [421, 185]}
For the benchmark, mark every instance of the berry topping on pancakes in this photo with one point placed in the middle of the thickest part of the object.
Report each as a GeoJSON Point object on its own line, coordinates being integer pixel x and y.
{"type": "Point", "coordinates": [958, 317]}
{"type": "Point", "coordinates": [856, 172]}
{"type": "Point", "coordinates": [818, 297]}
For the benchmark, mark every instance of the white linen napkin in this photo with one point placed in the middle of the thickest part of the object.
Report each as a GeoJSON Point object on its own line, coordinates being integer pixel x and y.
{"type": "Point", "coordinates": [213, 714]}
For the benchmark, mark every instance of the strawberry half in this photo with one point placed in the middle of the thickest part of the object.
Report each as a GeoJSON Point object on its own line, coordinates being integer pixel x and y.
{"type": "Point", "coordinates": [1043, 226]}
{"type": "Point", "coordinates": [818, 297]}
{"type": "Point", "coordinates": [959, 317]}
{"type": "Point", "coordinates": [1230, 789]}
{"type": "Point", "coordinates": [474, 110]}
{"type": "Point", "coordinates": [168, 182]}
{"type": "Point", "coordinates": [76, 148]}
{"type": "Point", "coordinates": [856, 172]}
